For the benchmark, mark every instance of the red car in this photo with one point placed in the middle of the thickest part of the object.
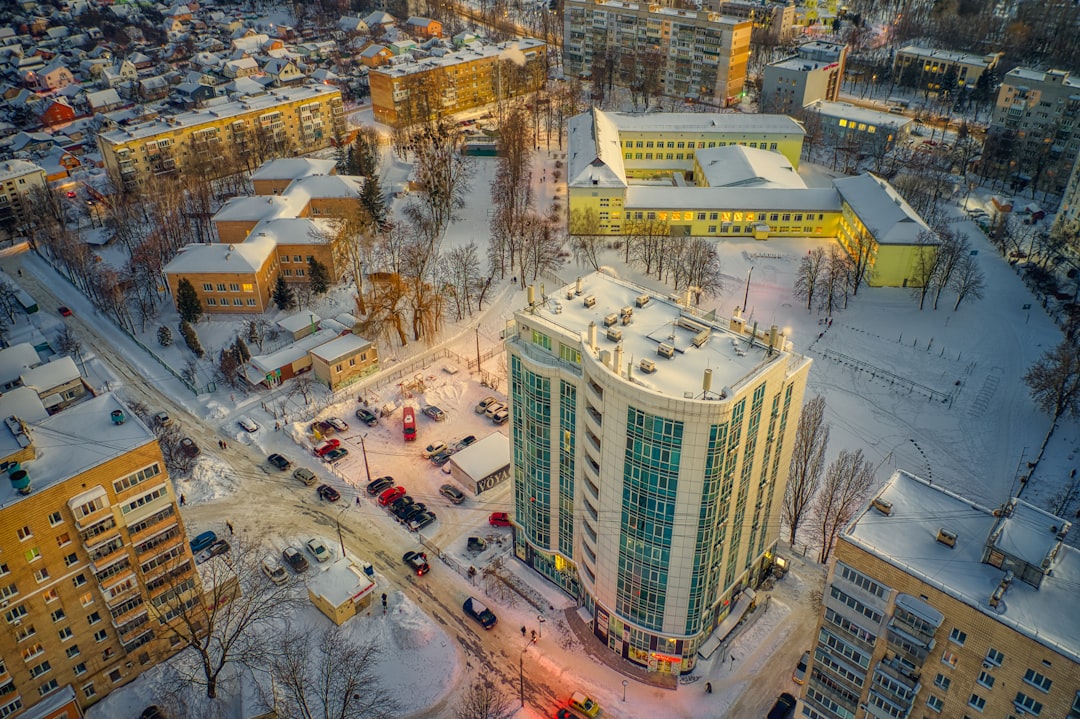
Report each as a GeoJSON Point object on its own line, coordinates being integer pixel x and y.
{"type": "Point", "coordinates": [326, 446]}
{"type": "Point", "coordinates": [65, 312]}
{"type": "Point", "coordinates": [499, 519]}
{"type": "Point", "coordinates": [390, 495]}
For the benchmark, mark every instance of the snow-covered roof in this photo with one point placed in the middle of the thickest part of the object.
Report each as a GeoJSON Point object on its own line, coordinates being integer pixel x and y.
{"type": "Point", "coordinates": [594, 152]}
{"type": "Point", "coordinates": [292, 353]}
{"type": "Point", "coordinates": [379, 18]}
{"type": "Point", "coordinates": [882, 210]}
{"type": "Point", "coordinates": [707, 122]}
{"type": "Point", "coordinates": [484, 456]}
{"type": "Point", "coordinates": [343, 346]}
{"type": "Point", "coordinates": [217, 258]}
{"type": "Point", "coordinates": [262, 207]}
{"type": "Point", "coordinates": [907, 538]}
{"type": "Point", "coordinates": [11, 169]}
{"type": "Point", "coordinates": [15, 360]}
{"type": "Point", "coordinates": [738, 166]}
{"type": "Point", "coordinates": [652, 197]}
{"type": "Point", "coordinates": [340, 582]}
{"type": "Point", "coordinates": [103, 98]}
{"type": "Point", "coordinates": [511, 50]}
{"type": "Point", "coordinates": [866, 115]}
{"type": "Point", "coordinates": [946, 55]}
{"type": "Point", "coordinates": [87, 426]}
{"type": "Point", "coordinates": [296, 230]}
{"type": "Point", "coordinates": [296, 322]}
{"type": "Point", "coordinates": [51, 375]}
{"type": "Point", "coordinates": [326, 186]}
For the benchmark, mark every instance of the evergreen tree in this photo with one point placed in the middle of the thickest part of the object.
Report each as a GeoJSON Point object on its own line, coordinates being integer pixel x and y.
{"type": "Point", "coordinates": [187, 301]}
{"type": "Point", "coordinates": [365, 160]}
{"type": "Point", "coordinates": [318, 277]}
{"type": "Point", "coordinates": [229, 367]}
{"type": "Point", "coordinates": [242, 352]}
{"type": "Point", "coordinates": [283, 296]}
{"type": "Point", "coordinates": [164, 336]}
{"type": "Point", "coordinates": [371, 197]}
{"type": "Point", "coordinates": [191, 338]}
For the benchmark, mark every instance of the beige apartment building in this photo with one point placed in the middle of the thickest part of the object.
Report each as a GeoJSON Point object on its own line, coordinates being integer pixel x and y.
{"type": "Point", "coordinates": [699, 55]}
{"type": "Point", "coordinates": [92, 553]}
{"type": "Point", "coordinates": [927, 68]}
{"type": "Point", "coordinates": [20, 181]}
{"type": "Point", "coordinates": [281, 121]}
{"type": "Point", "coordinates": [937, 607]}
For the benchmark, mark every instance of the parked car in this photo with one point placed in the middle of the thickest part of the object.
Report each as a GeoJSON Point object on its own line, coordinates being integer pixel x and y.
{"type": "Point", "coordinates": [377, 486]}
{"type": "Point", "coordinates": [415, 510]}
{"type": "Point", "coordinates": [433, 449]}
{"type": "Point", "coordinates": [799, 675]}
{"type": "Point", "coordinates": [501, 417]}
{"type": "Point", "coordinates": [464, 442]}
{"type": "Point", "coordinates": [323, 427]}
{"type": "Point", "coordinates": [420, 521]}
{"type": "Point", "coordinates": [483, 404]}
{"type": "Point", "coordinates": [434, 413]}
{"type": "Point", "coordinates": [367, 417]}
{"type": "Point", "coordinates": [274, 571]}
{"type": "Point", "coordinates": [339, 424]}
{"type": "Point", "coordinates": [247, 425]}
{"type": "Point", "coordinates": [584, 704]}
{"type": "Point", "coordinates": [417, 561]}
{"type": "Point", "coordinates": [442, 457]}
{"type": "Point", "coordinates": [217, 548]}
{"type": "Point", "coordinates": [318, 550]}
{"type": "Point", "coordinates": [280, 461]}
{"type": "Point", "coordinates": [64, 311]}
{"type": "Point", "coordinates": [783, 708]}
{"type": "Point", "coordinates": [455, 495]}
{"type": "Point", "coordinates": [408, 424]}
{"type": "Point", "coordinates": [390, 495]}
{"type": "Point", "coordinates": [493, 408]}
{"type": "Point", "coordinates": [402, 501]}
{"type": "Point", "coordinates": [188, 446]}
{"type": "Point", "coordinates": [476, 544]}
{"type": "Point", "coordinates": [295, 559]}
{"type": "Point", "coordinates": [335, 454]}
{"type": "Point", "coordinates": [479, 612]}
{"type": "Point", "coordinates": [499, 519]}
{"type": "Point", "coordinates": [162, 419]}
{"type": "Point", "coordinates": [325, 446]}
{"type": "Point", "coordinates": [305, 475]}
{"type": "Point", "coordinates": [328, 493]}
{"type": "Point", "coordinates": [203, 541]}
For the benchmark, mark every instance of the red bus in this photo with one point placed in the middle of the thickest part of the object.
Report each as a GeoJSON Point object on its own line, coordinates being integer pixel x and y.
{"type": "Point", "coordinates": [408, 424]}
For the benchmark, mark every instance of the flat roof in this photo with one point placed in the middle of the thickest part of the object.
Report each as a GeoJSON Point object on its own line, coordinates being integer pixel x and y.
{"type": "Point", "coordinates": [730, 355]}
{"type": "Point", "coordinates": [907, 539]}
{"type": "Point", "coordinates": [848, 111]}
{"type": "Point", "coordinates": [343, 346]}
{"type": "Point", "coordinates": [70, 442]}
{"type": "Point", "coordinates": [470, 53]}
{"type": "Point", "coordinates": [484, 456]}
{"type": "Point", "coordinates": [11, 169]}
{"type": "Point", "coordinates": [341, 581]}
{"type": "Point", "coordinates": [704, 122]}
{"type": "Point", "coordinates": [949, 55]}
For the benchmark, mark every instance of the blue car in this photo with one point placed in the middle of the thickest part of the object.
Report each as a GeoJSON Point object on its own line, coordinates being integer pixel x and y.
{"type": "Point", "coordinates": [203, 541]}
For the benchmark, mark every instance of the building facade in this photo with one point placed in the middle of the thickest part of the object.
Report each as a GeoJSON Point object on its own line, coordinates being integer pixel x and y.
{"type": "Point", "coordinates": [935, 606]}
{"type": "Point", "coordinates": [93, 551]}
{"type": "Point", "coordinates": [699, 56]}
{"type": "Point", "coordinates": [815, 72]}
{"type": "Point", "coordinates": [1034, 129]}
{"type": "Point", "coordinates": [774, 20]}
{"type": "Point", "coordinates": [934, 70]}
{"type": "Point", "coordinates": [282, 121]}
{"type": "Point", "coordinates": [433, 87]}
{"type": "Point", "coordinates": [21, 182]}
{"type": "Point", "coordinates": [653, 503]}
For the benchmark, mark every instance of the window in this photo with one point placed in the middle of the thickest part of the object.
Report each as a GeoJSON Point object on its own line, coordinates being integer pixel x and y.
{"type": "Point", "coordinates": [207, 287]}
{"type": "Point", "coordinates": [47, 687]}
{"type": "Point", "coordinates": [93, 618]}
{"type": "Point", "coordinates": [100, 635]}
{"type": "Point", "coordinates": [995, 657]}
{"type": "Point", "coordinates": [79, 580]}
{"type": "Point", "coordinates": [987, 680]}
{"type": "Point", "coordinates": [935, 703]}
{"type": "Point", "coordinates": [34, 650]}
{"type": "Point", "coordinates": [87, 599]}
{"type": "Point", "coordinates": [51, 595]}
{"type": "Point", "coordinates": [949, 658]}
{"type": "Point", "coordinates": [976, 702]}
{"type": "Point", "coordinates": [55, 518]}
{"type": "Point", "coordinates": [1023, 701]}
{"type": "Point", "coordinates": [942, 682]}
{"type": "Point", "coordinates": [73, 651]}
{"type": "Point", "coordinates": [41, 575]}
{"type": "Point", "coordinates": [65, 634]}
{"type": "Point", "coordinates": [4, 570]}
{"type": "Point", "coordinates": [33, 554]}
{"type": "Point", "coordinates": [88, 689]}
{"type": "Point", "coordinates": [24, 533]}
{"type": "Point", "coordinates": [58, 615]}
{"type": "Point", "coordinates": [9, 591]}
{"type": "Point", "coordinates": [79, 668]}
{"type": "Point", "coordinates": [71, 559]}
{"type": "Point", "coordinates": [297, 258]}
{"type": "Point", "coordinates": [114, 675]}
{"type": "Point", "coordinates": [211, 302]}
{"type": "Point", "coordinates": [1037, 680]}
{"type": "Point", "coordinates": [284, 258]}
{"type": "Point", "coordinates": [16, 614]}
{"type": "Point", "coordinates": [38, 670]}
{"type": "Point", "coordinates": [957, 637]}
{"type": "Point", "coordinates": [221, 287]}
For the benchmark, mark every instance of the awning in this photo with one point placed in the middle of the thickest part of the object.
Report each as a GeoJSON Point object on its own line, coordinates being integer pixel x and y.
{"type": "Point", "coordinates": [742, 605]}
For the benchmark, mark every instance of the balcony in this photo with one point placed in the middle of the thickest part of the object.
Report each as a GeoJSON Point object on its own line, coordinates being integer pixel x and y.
{"type": "Point", "coordinates": [150, 524]}
{"type": "Point", "coordinates": [102, 553]}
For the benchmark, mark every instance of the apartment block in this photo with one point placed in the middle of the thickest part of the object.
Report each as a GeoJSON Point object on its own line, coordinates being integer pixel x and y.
{"type": "Point", "coordinates": [814, 73]}
{"type": "Point", "coordinates": [93, 552]}
{"type": "Point", "coordinates": [938, 607]}
{"type": "Point", "coordinates": [775, 20]}
{"type": "Point", "coordinates": [700, 55]}
{"type": "Point", "coordinates": [282, 121]}
{"type": "Point", "coordinates": [433, 87]}
{"type": "Point", "coordinates": [932, 69]}
{"type": "Point", "coordinates": [650, 449]}
{"type": "Point", "coordinates": [1035, 124]}
{"type": "Point", "coordinates": [20, 181]}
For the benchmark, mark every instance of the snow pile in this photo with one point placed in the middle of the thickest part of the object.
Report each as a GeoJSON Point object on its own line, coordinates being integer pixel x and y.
{"type": "Point", "coordinates": [210, 479]}
{"type": "Point", "coordinates": [410, 629]}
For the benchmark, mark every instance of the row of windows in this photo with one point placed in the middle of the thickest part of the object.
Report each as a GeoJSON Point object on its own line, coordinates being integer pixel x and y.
{"type": "Point", "coordinates": [862, 581]}
{"type": "Point", "coordinates": [237, 302]}
{"type": "Point", "coordinates": [868, 612]}
{"type": "Point", "coordinates": [690, 144]}
{"type": "Point", "coordinates": [296, 258]}
{"type": "Point", "coordinates": [136, 478]}
{"type": "Point", "coordinates": [144, 499]}
{"type": "Point", "coordinates": [232, 287]}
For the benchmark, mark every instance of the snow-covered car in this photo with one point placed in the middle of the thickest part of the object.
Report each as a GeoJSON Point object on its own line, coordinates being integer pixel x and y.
{"type": "Point", "coordinates": [318, 550]}
{"type": "Point", "coordinates": [325, 446]}
{"type": "Point", "coordinates": [455, 495]}
{"type": "Point", "coordinates": [501, 417]}
{"type": "Point", "coordinates": [483, 404]}
{"type": "Point", "coordinates": [442, 457]}
{"type": "Point", "coordinates": [417, 561]}
{"type": "Point", "coordinates": [584, 704]}
{"type": "Point", "coordinates": [247, 424]}
{"type": "Point", "coordinates": [295, 559]}
{"type": "Point", "coordinates": [433, 449]}
{"type": "Point", "coordinates": [420, 521]}
{"type": "Point", "coordinates": [339, 424]}
{"type": "Point", "coordinates": [217, 548]}
{"type": "Point", "coordinates": [162, 419]}
{"type": "Point", "coordinates": [280, 461]}
{"type": "Point", "coordinates": [305, 475]}
{"type": "Point", "coordinates": [323, 427]}
{"type": "Point", "coordinates": [367, 417]}
{"type": "Point", "coordinates": [464, 442]}
{"type": "Point", "coordinates": [188, 446]}
{"type": "Point", "coordinates": [434, 413]}
{"type": "Point", "coordinates": [335, 454]}
{"type": "Point", "coordinates": [274, 571]}
{"type": "Point", "coordinates": [492, 408]}
{"type": "Point", "coordinates": [799, 675]}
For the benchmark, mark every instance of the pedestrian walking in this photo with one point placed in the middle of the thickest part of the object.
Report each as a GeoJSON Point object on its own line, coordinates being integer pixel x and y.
{"type": "Point", "coordinates": [358, 500]}
{"type": "Point", "coordinates": [708, 687]}
{"type": "Point", "coordinates": [183, 500]}
{"type": "Point", "coordinates": [220, 444]}
{"type": "Point", "coordinates": [229, 525]}
{"type": "Point", "coordinates": [20, 272]}
{"type": "Point", "coordinates": [224, 444]}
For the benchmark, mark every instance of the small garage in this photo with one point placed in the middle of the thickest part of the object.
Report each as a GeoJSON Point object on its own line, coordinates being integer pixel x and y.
{"type": "Point", "coordinates": [484, 464]}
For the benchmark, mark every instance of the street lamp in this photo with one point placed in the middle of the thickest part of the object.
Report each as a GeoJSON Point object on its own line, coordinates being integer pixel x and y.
{"type": "Point", "coordinates": [363, 448]}
{"type": "Point", "coordinates": [624, 683]}
{"type": "Point", "coordinates": [521, 672]}
{"type": "Point", "coordinates": [540, 618]}
{"type": "Point", "coordinates": [341, 540]}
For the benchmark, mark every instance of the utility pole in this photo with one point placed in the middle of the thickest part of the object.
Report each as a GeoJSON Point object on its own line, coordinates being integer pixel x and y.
{"type": "Point", "coordinates": [477, 349]}
{"type": "Point", "coordinates": [363, 448]}
{"type": "Point", "coordinates": [746, 295]}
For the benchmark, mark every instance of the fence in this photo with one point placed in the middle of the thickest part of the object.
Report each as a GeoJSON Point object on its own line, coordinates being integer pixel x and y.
{"type": "Point", "coordinates": [877, 372]}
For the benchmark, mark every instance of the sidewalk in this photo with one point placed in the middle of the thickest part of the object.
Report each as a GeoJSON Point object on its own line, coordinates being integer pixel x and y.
{"type": "Point", "coordinates": [598, 653]}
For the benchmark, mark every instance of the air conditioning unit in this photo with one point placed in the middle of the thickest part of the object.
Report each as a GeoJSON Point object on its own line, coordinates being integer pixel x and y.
{"type": "Point", "coordinates": [3, 604]}
{"type": "Point", "coordinates": [987, 665]}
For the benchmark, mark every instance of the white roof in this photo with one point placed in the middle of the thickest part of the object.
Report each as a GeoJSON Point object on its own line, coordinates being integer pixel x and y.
{"type": "Point", "coordinates": [484, 456]}
{"type": "Point", "coordinates": [906, 539]}
{"type": "Point", "coordinates": [510, 50]}
{"type": "Point", "coordinates": [343, 346]}
{"type": "Point", "coordinates": [101, 98]}
{"type": "Point", "coordinates": [704, 122]}
{"type": "Point", "coordinates": [738, 166]}
{"type": "Point", "coordinates": [340, 582]}
{"type": "Point", "coordinates": [847, 111]}
{"type": "Point", "coordinates": [243, 258]}
{"type": "Point", "coordinates": [594, 151]}
{"type": "Point", "coordinates": [947, 55]}
{"type": "Point", "coordinates": [49, 376]}
{"type": "Point", "coordinates": [11, 169]}
{"type": "Point", "coordinates": [299, 321]}
{"type": "Point", "coordinates": [881, 208]}
{"type": "Point", "coordinates": [259, 207]}
{"type": "Point", "coordinates": [290, 168]}
{"type": "Point", "coordinates": [15, 360]}
{"type": "Point", "coordinates": [327, 186]}
{"type": "Point", "coordinates": [292, 353]}
{"type": "Point", "coordinates": [295, 230]}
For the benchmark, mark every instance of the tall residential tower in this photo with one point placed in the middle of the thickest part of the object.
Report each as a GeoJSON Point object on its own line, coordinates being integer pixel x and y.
{"type": "Point", "coordinates": [650, 456]}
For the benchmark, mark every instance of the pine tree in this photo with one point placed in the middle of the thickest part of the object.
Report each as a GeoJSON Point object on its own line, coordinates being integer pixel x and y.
{"type": "Point", "coordinates": [191, 338]}
{"type": "Point", "coordinates": [318, 277]}
{"type": "Point", "coordinates": [187, 301]}
{"type": "Point", "coordinates": [371, 197]}
{"type": "Point", "coordinates": [242, 352]}
{"type": "Point", "coordinates": [164, 336]}
{"type": "Point", "coordinates": [283, 295]}
{"type": "Point", "coordinates": [229, 366]}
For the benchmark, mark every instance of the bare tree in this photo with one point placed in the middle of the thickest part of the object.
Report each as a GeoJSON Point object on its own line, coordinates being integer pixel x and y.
{"type": "Point", "coordinates": [954, 246]}
{"type": "Point", "coordinates": [222, 621]}
{"type": "Point", "coordinates": [847, 482]}
{"type": "Point", "coordinates": [835, 281]}
{"type": "Point", "coordinates": [461, 272]}
{"type": "Point", "coordinates": [327, 676]}
{"type": "Point", "coordinates": [586, 242]}
{"type": "Point", "coordinates": [968, 281]}
{"type": "Point", "coordinates": [860, 248]}
{"type": "Point", "coordinates": [812, 267]}
{"type": "Point", "coordinates": [482, 700]}
{"type": "Point", "coordinates": [927, 265]}
{"type": "Point", "coordinates": [696, 265]}
{"type": "Point", "coordinates": [1054, 382]}
{"type": "Point", "coordinates": [511, 191]}
{"type": "Point", "coordinates": [807, 463]}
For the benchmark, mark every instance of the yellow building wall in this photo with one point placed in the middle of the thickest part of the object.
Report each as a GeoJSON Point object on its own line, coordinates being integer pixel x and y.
{"type": "Point", "coordinates": [262, 284]}
{"type": "Point", "coordinates": [341, 373]}
{"type": "Point", "coordinates": [234, 232]}
{"type": "Point", "coordinates": [787, 144]}
{"type": "Point", "coordinates": [321, 252]}
{"type": "Point", "coordinates": [895, 266]}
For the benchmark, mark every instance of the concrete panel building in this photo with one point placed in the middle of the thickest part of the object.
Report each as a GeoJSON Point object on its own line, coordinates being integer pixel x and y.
{"type": "Point", "coordinates": [649, 460]}
{"type": "Point", "coordinates": [21, 182]}
{"type": "Point", "coordinates": [932, 69]}
{"type": "Point", "coordinates": [815, 72]}
{"type": "Point", "coordinates": [936, 606]}
{"type": "Point", "coordinates": [699, 56]}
